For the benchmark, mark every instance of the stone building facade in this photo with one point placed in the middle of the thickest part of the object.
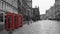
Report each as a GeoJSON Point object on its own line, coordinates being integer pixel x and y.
{"type": "Point", "coordinates": [25, 8]}
{"type": "Point", "coordinates": [57, 9]}
{"type": "Point", "coordinates": [29, 3]}
{"type": "Point", "coordinates": [54, 11]}
{"type": "Point", "coordinates": [50, 13]}
{"type": "Point", "coordinates": [9, 6]}
{"type": "Point", "coordinates": [36, 14]}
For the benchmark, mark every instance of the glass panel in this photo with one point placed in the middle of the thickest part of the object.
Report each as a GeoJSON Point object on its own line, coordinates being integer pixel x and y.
{"type": "Point", "coordinates": [15, 20]}
{"type": "Point", "coordinates": [9, 19]}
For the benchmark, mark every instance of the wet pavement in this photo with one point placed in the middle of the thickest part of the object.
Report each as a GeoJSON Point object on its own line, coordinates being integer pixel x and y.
{"type": "Point", "coordinates": [40, 27]}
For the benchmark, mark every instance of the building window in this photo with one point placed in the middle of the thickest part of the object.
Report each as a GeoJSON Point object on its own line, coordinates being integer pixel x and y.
{"type": "Point", "coordinates": [1, 22]}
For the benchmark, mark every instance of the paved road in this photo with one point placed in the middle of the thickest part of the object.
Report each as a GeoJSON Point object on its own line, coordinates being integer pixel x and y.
{"type": "Point", "coordinates": [40, 27]}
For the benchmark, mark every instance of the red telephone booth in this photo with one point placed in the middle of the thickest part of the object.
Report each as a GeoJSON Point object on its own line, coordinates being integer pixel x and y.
{"type": "Point", "coordinates": [16, 20]}
{"type": "Point", "coordinates": [20, 20]}
{"type": "Point", "coordinates": [13, 21]}
{"type": "Point", "coordinates": [9, 21]}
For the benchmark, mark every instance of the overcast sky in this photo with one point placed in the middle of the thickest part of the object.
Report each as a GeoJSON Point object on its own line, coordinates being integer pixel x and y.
{"type": "Point", "coordinates": [43, 5]}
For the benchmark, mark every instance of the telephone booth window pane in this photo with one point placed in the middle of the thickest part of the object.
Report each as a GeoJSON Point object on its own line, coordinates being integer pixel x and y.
{"type": "Point", "coordinates": [9, 19]}
{"type": "Point", "coordinates": [15, 20]}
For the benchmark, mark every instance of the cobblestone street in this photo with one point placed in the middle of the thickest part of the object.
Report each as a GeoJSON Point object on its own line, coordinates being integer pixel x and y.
{"type": "Point", "coordinates": [40, 27]}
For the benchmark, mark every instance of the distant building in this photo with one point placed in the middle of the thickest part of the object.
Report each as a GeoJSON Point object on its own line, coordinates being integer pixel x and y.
{"type": "Point", "coordinates": [36, 14]}
{"type": "Point", "coordinates": [57, 9]}
{"type": "Point", "coordinates": [54, 11]}
{"type": "Point", "coordinates": [50, 13]}
{"type": "Point", "coordinates": [43, 17]}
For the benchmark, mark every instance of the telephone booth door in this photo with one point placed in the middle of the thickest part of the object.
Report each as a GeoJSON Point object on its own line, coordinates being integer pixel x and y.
{"type": "Point", "coordinates": [20, 20]}
{"type": "Point", "coordinates": [16, 20]}
{"type": "Point", "coordinates": [9, 21]}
